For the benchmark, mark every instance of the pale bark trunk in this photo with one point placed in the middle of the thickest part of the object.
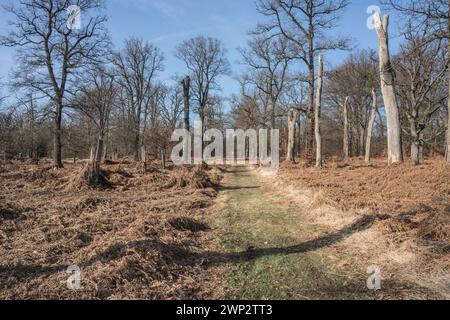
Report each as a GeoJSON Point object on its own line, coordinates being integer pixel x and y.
{"type": "Point", "coordinates": [96, 159]}
{"type": "Point", "coordinates": [144, 157]}
{"type": "Point", "coordinates": [346, 130]}
{"type": "Point", "coordinates": [319, 161]}
{"type": "Point", "coordinates": [395, 154]}
{"type": "Point", "coordinates": [292, 119]}
{"type": "Point", "coordinates": [371, 125]}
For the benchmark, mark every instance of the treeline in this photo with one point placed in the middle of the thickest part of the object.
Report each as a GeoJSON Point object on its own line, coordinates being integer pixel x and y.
{"type": "Point", "coordinates": [73, 95]}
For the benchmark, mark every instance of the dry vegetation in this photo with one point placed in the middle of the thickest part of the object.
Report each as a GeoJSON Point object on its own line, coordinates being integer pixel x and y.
{"type": "Point", "coordinates": [409, 205]}
{"type": "Point", "coordinates": [132, 237]}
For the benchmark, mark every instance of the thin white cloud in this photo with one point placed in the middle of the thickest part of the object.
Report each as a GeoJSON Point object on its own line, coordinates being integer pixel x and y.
{"type": "Point", "coordinates": [168, 8]}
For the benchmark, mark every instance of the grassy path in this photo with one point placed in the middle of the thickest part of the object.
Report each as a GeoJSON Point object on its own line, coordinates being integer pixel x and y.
{"type": "Point", "coordinates": [287, 256]}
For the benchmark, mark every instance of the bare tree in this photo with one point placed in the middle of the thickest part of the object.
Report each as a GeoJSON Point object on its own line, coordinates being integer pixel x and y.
{"type": "Point", "coordinates": [205, 59]}
{"type": "Point", "coordinates": [268, 59]}
{"type": "Point", "coordinates": [304, 24]}
{"type": "Point", "coordinates": [292, 120]}
{"type": "Point", "coordinates": [137, 66]}
{"type": "Point", "coordinates": [395, 153]}
{"type": "Point", "coordinates": [50, 51]}
{"type": "Point", "coordinates": [421, 70]}
{"type": "Point", "coordinates": [346, 144]}
{"type": "Point", "coordinates": [435, 16]}
{"type": "Point", "coordinates": [97, 99]}
{"type": "Point", "coordinates": [317, 114]}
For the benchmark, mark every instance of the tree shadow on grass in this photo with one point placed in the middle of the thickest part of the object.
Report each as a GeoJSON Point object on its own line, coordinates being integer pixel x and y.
{"type": "Point", "coordinates": [362, 224]}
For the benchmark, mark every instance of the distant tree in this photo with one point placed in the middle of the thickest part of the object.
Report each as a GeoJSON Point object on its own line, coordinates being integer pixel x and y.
{"type": "Point", "coordinates": [268, 61]}
{"type": "Point", "coordinates": [304, 23]}
{"type": "Point", "coordinates": [349, 91]}
{"type": "Point", "coordinates": [137, 66]}
{"type": "Point", "coordinates": [317, 115]}
{"type": "Point", "coordinates": [98, 94]}
{"type": "Point", "coordinates": [205, 58]}
{"type": "Point", "coordinates": [421, 67]}
{"type": "Point", "coordinates": [51, 51]}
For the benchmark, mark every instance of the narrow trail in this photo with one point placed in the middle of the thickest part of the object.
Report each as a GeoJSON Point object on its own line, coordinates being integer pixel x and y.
{"type": "Point", "coordinates": [285, 255]}
{"type": "Point", "coordinates": [286, 260]}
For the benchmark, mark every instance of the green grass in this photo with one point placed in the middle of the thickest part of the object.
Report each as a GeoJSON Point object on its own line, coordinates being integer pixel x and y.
{"type": "Point", "coordinates": [264, 220]}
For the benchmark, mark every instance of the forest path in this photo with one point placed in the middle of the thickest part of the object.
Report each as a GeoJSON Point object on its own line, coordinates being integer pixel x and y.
{"type": "Point", "coordinates": [285, 256]}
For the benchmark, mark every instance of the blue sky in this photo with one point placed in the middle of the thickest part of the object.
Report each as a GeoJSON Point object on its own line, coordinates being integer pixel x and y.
{"type": "Point", "coordinates": [166, 23]}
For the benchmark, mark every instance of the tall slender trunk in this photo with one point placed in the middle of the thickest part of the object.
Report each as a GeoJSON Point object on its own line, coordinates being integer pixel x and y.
{"type": "Point", "coordinates": [371, 125]}
{"type": "Point", "coordinates": [186, 92]}
{"type": "Point", "coordinates": [311, 78]}
{"type": "Point", "coordinates": [96, 160]}
{"type": "Point", "coordinates": [346, 142]}
{"type": "Point", "coordinates": [317, 113]}
{"type": "Point", "coordinates": [382, 135]}
{"type": "Point", "coordinates": [395, 154]}
{"type": "Point", "coordinates": [136, 147]}
{"type": "Point", "coordinates": [292, 119]}
{"type": "Point", "coordinates": [415, 143]}
{"type": "Point", "coordinates": [299, 135]}
{"type": "Point", "coordinates": [57, 135]}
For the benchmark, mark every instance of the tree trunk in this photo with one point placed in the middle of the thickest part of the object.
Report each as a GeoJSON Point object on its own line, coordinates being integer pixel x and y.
{"type": "Point", "coordinates": [309, 146]}
{"type": "Point", "coordinates": [421, 154]}
{"type": "Point", "coordinates": [186, 91]}
{"type": "Point", "coordinates": [292, 119]}
{"type": "Point", "coordinates": [57, 137]}
{"type": "Point", "coordinates": [137, 142]}
{"type": "Point", "coordinates": [299, 135]}
{"type": "Point", "coordinates": [346, 142]}
{"type": "Point", "coordinates": [144, 157]}
{"type": "Point", "coordinates": [395, 154]}
{"type": "Point", "coordinates": [163, 159]}
{"type": "Point", "coordinates": [96, 160]}
{"type": "Point", "coordinates": [415, 141]}
{"type": "Point", "coordinates": [319, 162]}
{"type": "Point", "coordinates": [371, 125]}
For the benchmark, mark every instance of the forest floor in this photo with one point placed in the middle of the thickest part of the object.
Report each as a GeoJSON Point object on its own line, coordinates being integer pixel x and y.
{"type": "Point", "coordinates": [136, 237]}
{"type": "Point", "coordinates": [187, 233]}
